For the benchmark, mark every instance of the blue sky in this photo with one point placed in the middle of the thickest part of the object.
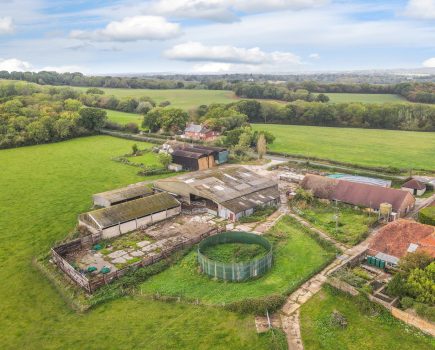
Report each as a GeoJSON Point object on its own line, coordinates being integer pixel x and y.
{"type": "Point", "coordinates": [216, 36]}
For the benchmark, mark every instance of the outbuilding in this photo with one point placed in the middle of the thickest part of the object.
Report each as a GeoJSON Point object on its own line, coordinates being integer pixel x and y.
{"type": "Point", "coordinates": [190, 160]}
{"type": "Point", "coordinates": [129, 216]}
{"type": "Point", "coordinates": [414, 187]}
{"type": "Point", "coordinates": [121, 195]}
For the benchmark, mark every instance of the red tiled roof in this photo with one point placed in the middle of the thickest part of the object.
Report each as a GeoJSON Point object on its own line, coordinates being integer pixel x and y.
{"type": "Point", "coordinates": [394, 239]}
{"type": "Point", "coordinates": [414, 184]}
{"type": "Point", "coordinates": [360, 194]}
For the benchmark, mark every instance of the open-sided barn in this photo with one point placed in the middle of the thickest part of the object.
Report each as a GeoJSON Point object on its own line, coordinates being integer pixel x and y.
{"type": "Point", "coordinates": [121, 195]}
{"type": "Point", "coordinates": [129, 216]}
{"type": "Point", "coordinates": [229, 191]}
{"type": "Point", "coordinates": [362, 195]}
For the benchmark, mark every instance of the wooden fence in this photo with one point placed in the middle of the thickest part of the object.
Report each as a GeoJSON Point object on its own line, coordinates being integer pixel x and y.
{"type": "Point", "coordinates": [90, 285]}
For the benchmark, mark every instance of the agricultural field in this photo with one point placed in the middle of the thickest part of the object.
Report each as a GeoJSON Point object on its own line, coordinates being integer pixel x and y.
{"type": "Point", "coordinates": [124, 118]}
{"type": "Point", "coordinates": [296, 257]}
{"type": "Point", "coordinates": [402, 149]}
{"type": "Point", "coordinates": [352, 224]}
{"type": "Point", "coordinates": [47, 187]}
{"type": "Point", "coordinates": [180, 98]}
{"type": "Point", "coordinates": [364, 98]}
{"type": "Point", "coordinates": [366, 329]}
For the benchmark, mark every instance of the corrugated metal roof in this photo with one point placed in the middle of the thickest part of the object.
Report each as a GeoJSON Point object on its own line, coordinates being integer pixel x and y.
{"type": "Point", "coordinates": [125, 193]}
{"type": "Point", "coordinates": [188, 154]}
{"type": "Point", "coordinates": [196, 128]}
{"type": "Point", "coordinates": [222, 183]}
{"type": "Point", "coordinates": [134, 209]}
{"type": "Point", "coordinates": [252, 200]}
{"type": "Point", "coordinates": [362, 179]}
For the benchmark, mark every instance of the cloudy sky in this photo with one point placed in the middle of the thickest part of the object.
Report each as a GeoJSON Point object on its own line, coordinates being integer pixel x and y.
{"type": "Point", "coordinates": [125, 36]}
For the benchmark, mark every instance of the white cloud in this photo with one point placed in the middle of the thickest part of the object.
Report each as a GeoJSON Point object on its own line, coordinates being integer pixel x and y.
{"type": "Point", "coordinates": [6, 25]}
{"type": "Point", "coordinates": [314, 56]}
{"type": "Point", "coordinates": [195, 51]}
{"type": "Point", "coordinates": [17, 65]}
{"type": "Point", "coordinates": [261, 6]}
{"type": "Point", "coordinates": [424, 9]}
{"type": "Point", "coordinates": [430, 63]}
{"type": "Point", "coordinates": [14, 64]}
{"type": "Point", "coordinates": [132, 29]}
{"type": "Point", "coordinates": [213, 67]}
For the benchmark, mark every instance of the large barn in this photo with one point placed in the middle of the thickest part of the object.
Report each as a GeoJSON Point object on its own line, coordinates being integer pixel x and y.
{"type": "Point", "coordinates": [129, 216]}
{"type": "Point", "coordinates": [230, 192]}
{"type": "Point", "coordinates": [359, 194]}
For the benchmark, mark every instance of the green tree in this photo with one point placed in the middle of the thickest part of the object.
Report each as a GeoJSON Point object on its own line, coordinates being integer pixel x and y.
{"type": "Point", "coordinates": [174, 119]}
{"type": "Point", "coordinates": [152, 120]}
{"type": "Point", "coordinates": [72, 105]}
{"type": "Point", "coordinates": [165, 159]}
{"type": "Point", "coordinates": [92, 119]}
{"type": "Point", "coordinates": [421, 284]}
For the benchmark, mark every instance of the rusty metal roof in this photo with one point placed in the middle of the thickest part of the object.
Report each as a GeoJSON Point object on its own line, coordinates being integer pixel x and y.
{"type": "Point", "coordinates": [414, 184]}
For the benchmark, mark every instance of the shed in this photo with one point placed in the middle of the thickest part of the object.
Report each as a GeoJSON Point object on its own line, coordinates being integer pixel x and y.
{"type": "Point", "coordinates": [414, 187]}
{"type": "Point", "coordinates": [121, 195]}
{"type": "Point", "coordinates": [190, 160]}
{"type": "Point", "coordinates": [129, 216]}
{"type": "Point", "coordinates": [220, 153]}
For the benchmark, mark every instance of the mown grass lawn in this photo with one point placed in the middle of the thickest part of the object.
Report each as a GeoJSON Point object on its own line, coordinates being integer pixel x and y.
{"type": "Point", "coordinates": [353, 225]}
{"type": "Point", "coordinates": [150, 159]}
{"type": "Point", "coordinates": [402, 149]}
{"type": "Point", "coordinates": [364, 98]}
{"type": "Point", "coordinates": [43, 189]}
{"type": "Point", "coordinates": [296, 256]}
{"type": "Point", "coordinates": [180, 98]}
{"type": "Point", "coordinates": [363, 332]}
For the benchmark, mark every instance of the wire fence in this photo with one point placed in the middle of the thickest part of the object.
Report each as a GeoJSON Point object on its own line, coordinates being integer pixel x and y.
{"type": "Point", "coordinates": [235, 271]}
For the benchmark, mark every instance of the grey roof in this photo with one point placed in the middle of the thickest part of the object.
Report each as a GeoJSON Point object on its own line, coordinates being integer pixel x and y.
{"type": "Point", "coordinates": [196, 128]}
{"type": "Point", "coordinates": [219, 184]}
{"type": "Point", "coordinates": [362, 179]}
{"type": "Point", "coordinates": [388, 258]}
{"type": "Point", "coordinates": [125, 193]}
{"type": "Point", "coordinates": [251, 200]}
{"type": "Point", "coordinates": [134, 209]}
{"type": "Point", "coordinates": [188, 154]}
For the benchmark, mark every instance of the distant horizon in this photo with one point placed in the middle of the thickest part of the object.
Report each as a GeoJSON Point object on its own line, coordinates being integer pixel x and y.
{"type": "Point", "coordinates": [219, 36]}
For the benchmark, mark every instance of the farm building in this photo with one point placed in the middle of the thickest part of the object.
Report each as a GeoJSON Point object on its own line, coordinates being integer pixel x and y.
{"type": "Point", "coordinates": [121, 195]}
{"type": "Point", "coordinates": [190, 160]}
{"type": "Point", "coordinates": [200, 132]}
{"type": "Point", "coordinates": [128, 216]}
{"type": "Point", "coordinates": [229, 191]}
{"type": "Point", "coordinates": [362, 195]}
{"type": "Point", "coordinates": [362, 179]}
{"type": "Point", "coordinates": [414, 187]}
{"type": "Point", "coordinates": [395, 240]}
{"type": "Point", "coordinates": [220, 154]}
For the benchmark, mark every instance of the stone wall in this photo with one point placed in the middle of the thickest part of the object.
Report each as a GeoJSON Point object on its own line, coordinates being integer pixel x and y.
{"type": "Point", "coordinates": [415, 321]}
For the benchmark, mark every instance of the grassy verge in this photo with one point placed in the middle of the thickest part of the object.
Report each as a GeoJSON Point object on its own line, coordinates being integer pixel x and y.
{"type": "Point", "coordinates": [369, 326]}
{"type": "Point", "coordinates": [297, 257]}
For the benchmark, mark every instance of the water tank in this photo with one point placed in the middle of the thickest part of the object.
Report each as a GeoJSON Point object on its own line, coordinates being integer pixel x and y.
{"type": "Point", "coordinates": [385, 209]}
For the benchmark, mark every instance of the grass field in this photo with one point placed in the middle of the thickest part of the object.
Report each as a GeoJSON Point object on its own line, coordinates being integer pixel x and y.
{"type": "Point", "coordinates": [381, 332]}
{"type": "Point", "coordinates": [43, 189]}
{"type": "Point", "coordinates": [149, 159]}
{"type": "Point", "coordinates": [124, 118]}
{"type": "Point", "coordinates": [296, 256]}
{"type": "Point", "coordinates": [181, 98]}
{"type": "Point", "coordinates": [402, 149]}
{"type": "Point", "coordinates": [353, 225]}
{"type": "Point", "coordinates": [364, 98]}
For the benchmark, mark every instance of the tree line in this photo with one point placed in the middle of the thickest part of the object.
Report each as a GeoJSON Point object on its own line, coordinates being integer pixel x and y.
{"type": "Point", "coordinates": [396, 116]}
{"type": "Point", "coordinates": [31, 114]}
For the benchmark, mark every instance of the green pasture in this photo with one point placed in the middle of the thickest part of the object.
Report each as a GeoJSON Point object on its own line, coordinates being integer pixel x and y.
{"type": "Point", "coordinates": [124, 118]}
{"type": "Point", "coordinates": [43, 189]}
{"type": "Point", "coordinates": [180, 98]}
{"type": "Point", "coordinates": [402, 149]}
{"type": "Point", "coordinates": [296, 257]}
